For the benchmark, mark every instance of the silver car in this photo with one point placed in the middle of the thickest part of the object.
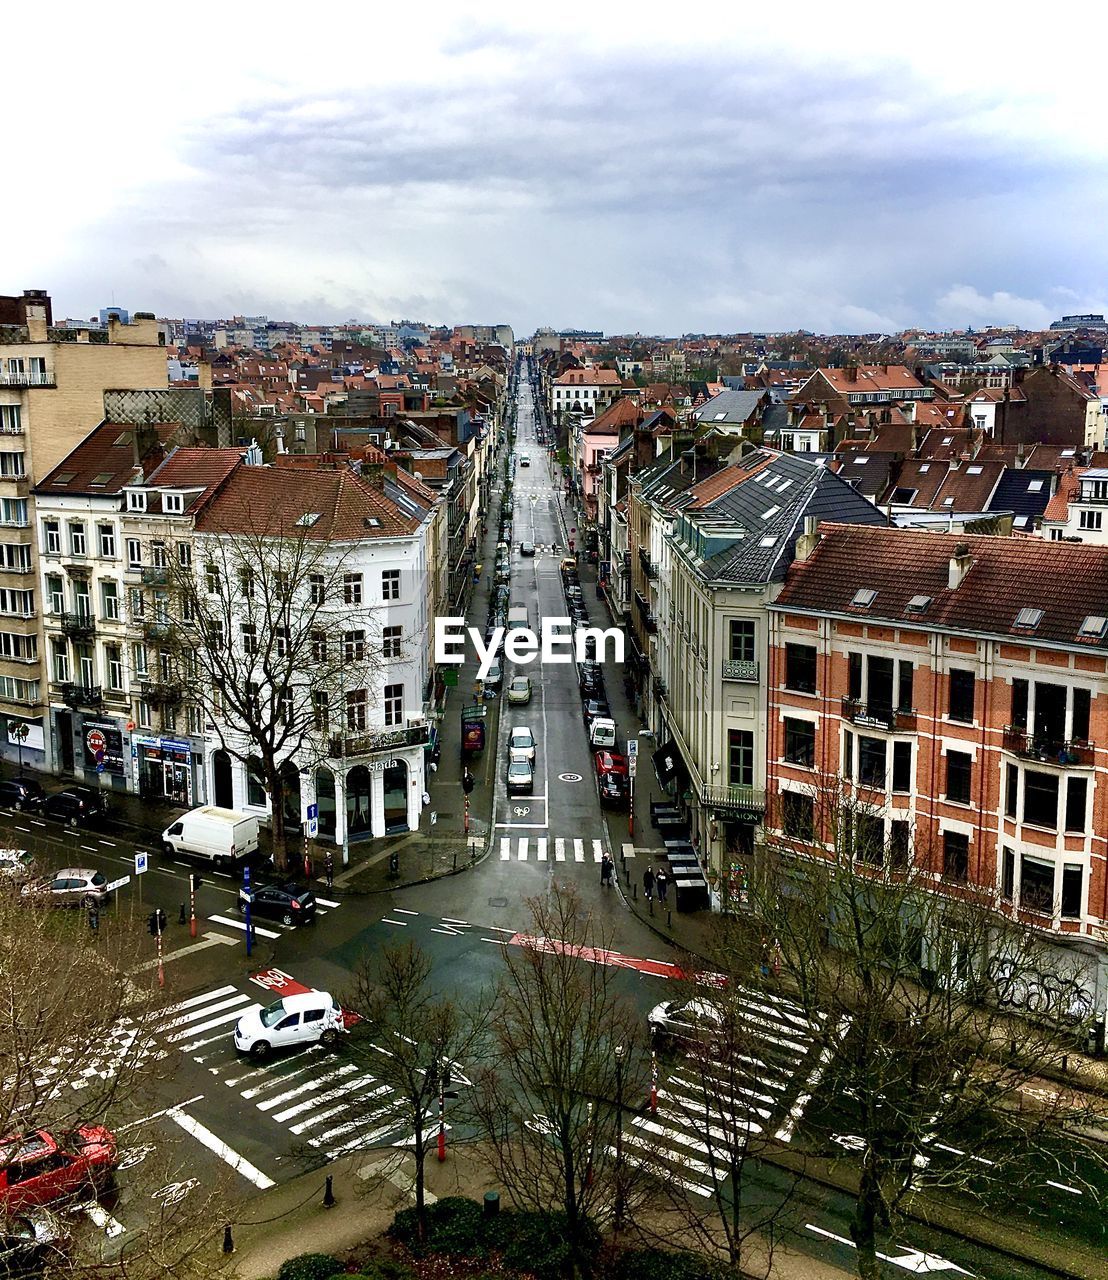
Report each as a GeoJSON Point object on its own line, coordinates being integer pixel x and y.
{"type": "Point", "coordinates": [70, 887]}
{"type": "Point", "coordinates": [521, 777]}
{"type": "Point", "coordinates": [521, 744]}
{"type": "Point", "coordinates": [693, 1021]}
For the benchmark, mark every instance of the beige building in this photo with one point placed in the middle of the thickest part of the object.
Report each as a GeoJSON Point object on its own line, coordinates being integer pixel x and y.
{"type": "Point", "coordinates": [52, 385]}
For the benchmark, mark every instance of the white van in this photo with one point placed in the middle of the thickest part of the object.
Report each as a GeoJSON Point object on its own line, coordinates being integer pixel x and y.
{"type": "Point", "coordinates": [517, 617]}
{"type": "Point", "coordinates": [309, 1017]}
{"type": "Point", "coordinates": [602, 732]}
{"type": "Point", "coordinates": [217, 835]}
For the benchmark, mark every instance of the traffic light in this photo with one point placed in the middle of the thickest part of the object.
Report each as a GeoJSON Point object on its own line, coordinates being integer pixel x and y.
{"type": "Point", "coordinates": [156, 923]}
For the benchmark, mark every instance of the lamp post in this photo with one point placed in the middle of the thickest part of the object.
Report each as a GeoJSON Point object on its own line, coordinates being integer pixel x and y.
{"type": "Point", "coordinates": [618, 1214]}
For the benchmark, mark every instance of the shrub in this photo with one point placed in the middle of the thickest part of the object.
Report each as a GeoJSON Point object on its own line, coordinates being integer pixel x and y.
{"type": "Point", "coordinates": [311, 1266]}
{"type": "Point", "coordinates": [539, 1243]}
{"type": "Point", "coordinates": [383, 1269]}
{"type": "Point", "coordinates": [453, 1228]}
{"type": "Point", "coordinates": [662, 1264]}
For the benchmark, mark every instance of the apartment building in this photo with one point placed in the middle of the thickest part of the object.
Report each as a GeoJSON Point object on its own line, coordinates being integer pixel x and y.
{"type": "Point", "coordinates": [52, 384]}
{"type": "Point", "coordinates": [958, 686]}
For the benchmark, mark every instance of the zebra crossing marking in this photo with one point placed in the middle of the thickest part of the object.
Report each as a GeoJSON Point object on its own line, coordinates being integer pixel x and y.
{"type": "Point", "coordinates": [505, 848]}
{"type": "Point", "coordinates": [578, 851]}
{"type": "Point", "coordinates": [540, 848]}
{"type": "Point", "coordinates": [559, 849]}
{"type": "Point", "coordinates": [597, 851]}
{"type": "Point", "coordinates": [523, 844]}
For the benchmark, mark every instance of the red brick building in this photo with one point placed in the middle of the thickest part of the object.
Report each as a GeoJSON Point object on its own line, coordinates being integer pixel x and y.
{"type": "Point", "coordinates": [957, 687]}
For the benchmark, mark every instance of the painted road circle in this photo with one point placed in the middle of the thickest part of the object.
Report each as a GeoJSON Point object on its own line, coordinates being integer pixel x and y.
{"type": "Point", "coordinates": [570, 777]}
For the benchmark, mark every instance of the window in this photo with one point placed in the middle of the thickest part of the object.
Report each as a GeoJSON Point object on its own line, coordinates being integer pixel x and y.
{"type": "Point", "coordinates": [55, 591]}
{"type": "Point", "coordinates": [390, 584]}
{"type": "Point", "coordinates": [20, 648]}
{"type": "Point", "coordinates": [107, 541]}
{"type": "Point", "coordinates": [138, 604]}
{"type": "Point", "coordinates": [249, 639]}
{"type": "Point", "coordinates": [52, 537]}
{"type": "Point", "coordinates": [797, 815]}
{"type": "Point", "coordinates": [357, 703]}
{"type": "Point", "coordinates": [319, 646]}
{"type": "Point", "coordinates": [15, 556]}
{"type": "Point", "coordinates": [854, 676]}
{"type": "Point", "coordinates": [800, 667]}
{"type": "Point", "coordinates": [283, 639]}
{"type": "Point", "coordinates": [905, 685]}
{"type": "Point", "coordinates": [211, 577]}
{"type": "Point", "coordinates": [1076, 792]}
{"type": "Point", "coordinates": [955, 856]}
{"type": "Point", "coordinates": [10, 422]}
{"type": "Point", "coordinates": [59, 660]}
{"type": "Point", "coordinates": [848, 755]}
{"type": "Point", "coordinates": [136, 501]}
{"type": "Point", "coordinates": [1040, 798]}
{"type": "Point", "coordinates": [215, 635]}
{"type": "Point", "coordinates": [871, 762]}
{"type": "Point", "coordinates": [138, 659]}
{"type": "Point", "coordinates": [246, 582]}
{"type": "Point", "coordinates": [352, 588]}
{"type": "Point", "coordinates": [899, 849]}
{"type": "Point", "coordinates": [285, 706]}
{"type": "Point", "coordinates": [959, 773]}
{"type": "Point", "coordinates": [740, 640]}
{"type": "Point", "coordinates": [1079, 728]}
{"type": "Point", "coordinates": [109, 601]}
{"type": "Point", "coordinates": [184, 555]}
{"type": "Point", "coordinates": [394, 705]}
{"type": "Point", "coordinates": [320, 711]}
{"type": "Point", "coordinates": [1090, 519]}
{"type": "Point", "coordinates": [1007, 874]}
{"type": "Point", "coordinates": [1019, 703]}
{"type": "Point", "coordinates": [134, 553]}
{"type": "Point", "coordinates": [157, 555]}
{"type": "Point", "coordinates": [173, 503]}
{"type": "Point", "coordinates": [391, 641]}
{"type": "Point", "coordinates": [195, 721]}
{"type": "Point", "coordinates": [317, 589]}
{"type": "Point", "coordinates": [1011, 790]}
{"type": "Point", "coordinates": [145, 715]}
{"type": "Point", "coordinates": [740, 758]}
{"type": "Point", "coordinates": [113, 656]}
{"type": "Point", "coordinates": [869, 839]}
{"type": "Point", "coordinates": [82, 601]}
{"type": "Point", "coordinates": [353, 646]}
{"type": "Point", "coordinates": [77, 545]}
{"type": "Point", "coordinates": [13, 512]}
{"type": "Point", "coordinates": [19, 604]}
{"type": "Point", "coordinates": [13, 466]}
{"type": "Point", "coordinates": [1073, 895]}
{"type": "Point", "coordinates": [902, 767]}
{"type": "Point", "coordinates": [1036, 884]}
{"type": "Point", "coordinates": [800, 742]}
{"type": "Point", "coordinates": [960, 704]}
{"type": "Point", "coordinates": [255, 785]}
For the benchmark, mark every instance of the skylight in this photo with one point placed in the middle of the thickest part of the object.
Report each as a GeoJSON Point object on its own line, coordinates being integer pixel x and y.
{"type": "Point", "coordinates": [784, 485]}
{"type": "Point", "coordinates": [924, 466]}
{"type": "Point", "coordinates": [102, 477]}
{"type": "Point", "coordinates": [64, 477]}
{"type": "Point", "coordinates": [919, 604]}
{"type": "Point", "coordinates": [768, 541]}
{"type": "Point", "coordinates": [771, 512]}
{"type": "Point", "coordinates": [719, 417]}
{"type": "Point", "coordinates": [1094, 627]}
{"type": "Point", "coordinates": [948, 439]}
{"type": "Point", "coordinates": [1034, 486]}
{"type": "Point", "coordinates": [948, 502]}
{"type": "Point", "coordinates": [1029, 618]}
{"type": "Point", "coordinates": [863, 598]}
{"type": "Point", "coordinates": [308, 519]}
{"type": "Point", "coordinates": [860, 460]}
{"type": "Point", "coordinates": [974, 471]}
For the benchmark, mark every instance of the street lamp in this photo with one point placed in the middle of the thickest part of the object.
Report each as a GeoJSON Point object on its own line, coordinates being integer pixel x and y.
{"type": "Point", "coordinates": [618, 1217]}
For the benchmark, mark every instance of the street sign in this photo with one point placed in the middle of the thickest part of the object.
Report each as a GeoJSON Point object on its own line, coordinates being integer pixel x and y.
{"type": "Point", "coordinates": [632, 765]}
{"type": "Point", "coordinates": [434, 817]}
{"type": "Point", "coordinates": [313, 811]}
{"type": "Point", "coordinates": [142, 861]}
{"type": "Point", "coordinates": [632, 748]}
{"type": "Point", "coordinates": [117, 884]}
{"type": "Point", "coordinates": [99, 768]}
{"type": "Point", "coordinates": [313, 828]}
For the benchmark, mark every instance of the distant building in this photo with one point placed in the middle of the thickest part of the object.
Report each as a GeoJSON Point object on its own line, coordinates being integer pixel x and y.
{"type": "Point", "coordinates": [1092, 321]}
{"type": "Point", "coordinates": [120, 313]}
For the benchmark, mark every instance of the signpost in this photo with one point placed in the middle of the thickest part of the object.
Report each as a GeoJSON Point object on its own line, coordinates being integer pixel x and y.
{"type": "Point", "coordinates": [246, 896]}
{"type": "Point", "coordinates": [632, 765]}
{"type": "Point", "coordinates": [141, 861]}
{"type": "Point", "coordinates": [313, 821]}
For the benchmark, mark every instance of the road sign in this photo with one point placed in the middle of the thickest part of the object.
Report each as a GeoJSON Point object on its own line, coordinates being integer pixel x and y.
{"type": "Point", "coordinates": [632, 765]}
{"type": "Point", "coordinates": [142, 861]}
{"type": "Point", "coordinates": [434, 817]}
{"type": "Point", "coordinates": [117, 884]}
{"type": "Point", "coordinates": [313, 828]}
{"type": "Point", "coordinates": [632, 748]}
{"type": "Point", "coordinates": [99, 768]}
{"type": "Point", "coordinates": [313, 811]}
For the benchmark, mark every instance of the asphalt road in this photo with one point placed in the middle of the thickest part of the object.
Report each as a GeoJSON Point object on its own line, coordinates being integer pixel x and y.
{"type": "Point", "coordinates": [260, 1124]}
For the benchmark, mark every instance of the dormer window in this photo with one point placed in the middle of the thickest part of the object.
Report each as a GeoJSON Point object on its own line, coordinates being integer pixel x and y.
{"type": "Point", "coordinates": [1093, 628]}
{"type": "Point", "coordinates": [136, 501]}
{"type": "Point", "coordinates": [1028, 619]}
{"type": "Point", "coordinates": [863, 598]}
{"type": "Point", "coordinates": [173, 503]}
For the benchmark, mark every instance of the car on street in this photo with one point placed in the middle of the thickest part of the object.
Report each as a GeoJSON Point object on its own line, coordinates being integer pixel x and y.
{"type": "Point", "coordinates": [602, 732]}
{"type": "Point", "coordinates": [593, 707]}
{"type": "Point", "coordinates": [521, 777]}
{"type": "Point", "coordinates": [613, 780]}
{"type": "Point", "coordinates": [493, 676]}
{"type": "Point", "coordinates": [685, 1021]}
{"type": "Point", "coordinates": [524, 460]}
{"type": "Point", "coordinates": [519, 691]}
{"type": "Point", "coordinates": [21, 793]}
{"type": "Point", "coordinates": [308, 1017]}
{"type": "Point", "coordinates": [76, 807]}
{"type": "Point", "coordinates": [69, 887]}
{"type": "Point", "coordinates": [521, 742]}
{"type": "Point", "coordinates": [16, 865]}
{"type": "Point", "coordinates": [290, 903]}
{"type": "Point", "coordinates": [29, 1240]}
{"type": "Point", "coordinates": [44, 1167]}
{"type": "Point", "coordinates": [526, 548]}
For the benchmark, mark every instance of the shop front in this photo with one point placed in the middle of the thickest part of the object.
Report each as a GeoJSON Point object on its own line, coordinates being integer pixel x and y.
{"type": "Point", "coordinates": [376, 797]}
{"type": "Point", "coordinates": [163, 769]}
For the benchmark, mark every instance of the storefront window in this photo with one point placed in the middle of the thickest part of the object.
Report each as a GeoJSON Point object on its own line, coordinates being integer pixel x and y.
{"type": "Point", "coordinates": [255, 786]}
{"type": "Point", "coordinates": [396, 797]}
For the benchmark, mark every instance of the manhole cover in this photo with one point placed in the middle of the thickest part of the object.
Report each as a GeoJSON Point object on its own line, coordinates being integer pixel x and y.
{"type": "Point", "coordinates": [498, 902]}
{"type": "Point", "coordinates": [569, 777]}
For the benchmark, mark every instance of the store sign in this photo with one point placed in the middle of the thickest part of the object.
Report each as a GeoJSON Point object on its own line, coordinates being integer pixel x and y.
{"type": "Point", "coordinates": [103, 745]}
{"type": "Point", "coordinates": [379, 766]}
{"type": "Point", "coordinates": [32, 741]}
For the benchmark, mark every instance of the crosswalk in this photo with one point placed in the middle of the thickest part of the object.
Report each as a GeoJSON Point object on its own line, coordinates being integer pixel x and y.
{"type": "Point", "coordinates": [269, 928]}
{"type": "Point", "coordinates": [543, 849]}
{"type": "Point", "coordinates": [707, 1110]}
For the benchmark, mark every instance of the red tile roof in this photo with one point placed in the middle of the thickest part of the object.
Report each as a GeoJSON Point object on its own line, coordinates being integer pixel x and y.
{"type": "Point", "coordinates": [1067, 581]}
{"type": "Point", "coordinates": [195, 467]}
{"type": "Point", "coordinates": [1069, 482]}
{"type": "Point", "coordinates": [104, 461]}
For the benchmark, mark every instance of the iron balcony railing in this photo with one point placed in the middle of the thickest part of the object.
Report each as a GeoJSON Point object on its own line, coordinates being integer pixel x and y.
{"type": "Point", "coordinates": [26, 378]}
{"type": "Point", "coordinates": [736, 802]}
{"type": "Point", "coordinates": [744, 669]}
{"type": "Point", "coordinates": [361, 744]}
{"type": "Point", "coordinates": [78, 626]}
{"type": "Point", "coordinates": [1047, 749]}
{"type": "Point", "coordinates": [82, 695]}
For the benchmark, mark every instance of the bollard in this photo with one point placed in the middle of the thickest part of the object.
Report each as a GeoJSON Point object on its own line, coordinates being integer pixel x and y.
{"type": "Point", "coordinates": [651, 901]}
{"type": "Point", "coordinates": [228, 1242]}
{"type": "Point", "coordinates": [329, 1194]}
{"type": "Point", "coordinates": [635, 893]}
{"type": "Point", "coordinates": [669, 918]}
{"type": "Point", "coordinates": [182, 918]}
{"type": "Point", "coordinates": [492, 1203]}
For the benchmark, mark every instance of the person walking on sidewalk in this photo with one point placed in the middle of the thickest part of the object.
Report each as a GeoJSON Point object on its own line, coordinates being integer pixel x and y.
{"type": "Point", "coordinates": [606, 871]}
{"type": "Point", "coordinates": [329, 869]}
{"type": "Point", "coordinates": [662, 882]}
{"type": "Point", "coordinates": [648, 884]}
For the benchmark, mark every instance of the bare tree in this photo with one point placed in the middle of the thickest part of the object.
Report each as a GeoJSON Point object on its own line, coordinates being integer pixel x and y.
{"type": "Point", "coordinates": [546, 1107]}
{"type": "Point", "coordinates": [413, 1040]}
{"type": "Point", "coordinates": [903, 970]}
{"type": "Point", "coordinates": [272, 634]}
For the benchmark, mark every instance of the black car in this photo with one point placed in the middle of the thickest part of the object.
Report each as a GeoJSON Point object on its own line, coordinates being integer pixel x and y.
{"type": "Point", "coordinates": [21, 793]}
{"type": "Point", "coordinates": [76, 807]}
{"type": "Point", "coordinates": [290, 903]}
{"type": "Point", "coordinates": [592, 708]}
{"type": "Point", "coordinates": [613, 789]}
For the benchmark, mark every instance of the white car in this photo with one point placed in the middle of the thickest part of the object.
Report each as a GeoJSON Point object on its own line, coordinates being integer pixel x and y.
{"type": "Point", "coordinates": [519, 691]}
{"type": "Point", "coordinates": [309, 1017]}
{"type": "Point", "coordinates": [16, 864]}
{"type": "Point", "coordinates": [521, 777]}
{"type": "Point", "coordinates": [493, 676]}
{"type": "Point", "coordinates": [602, 732]}
{"type": "Point", "coordinates": [690, 1020]}
{"type": "Point", "coordinates": [521, 745]}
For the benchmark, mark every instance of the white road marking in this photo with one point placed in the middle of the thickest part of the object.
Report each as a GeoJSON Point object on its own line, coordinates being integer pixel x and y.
{"type": "Point", "coordinates": [241, 925]}
{"type": "Point", "coordinates": [192, 1001]}
{"type": "Point", "coordinates": [203, 1012]}
{"type": "Point", "coordinates": [208, 1139]}
{"type": "Point", "coordinates": [157, 1115]}
{"type": "Point", "coordinates": [579, 851]}
{"type": "Point", "coordinates": [223, 1018]}
{"type": "Point", "coordinates": [326, 902]}
{"type": "Point", "coordinates": [403, 924]}
{"type": "Point", "coordinates": [451, 920]}
{"type": "Point", "coordinates": [103, 1219]}
{"type": "Point", "coordinates": [597, 851]}
{"type": "Point", "coordinates": [399, 910]}
{"type": "Point", "coordinates": [540, 845]}
{"type": "Point", "coordinates": [505, 848]}
{"type": "Point", "coordinates": [316, 1083]}
{"type": "Point", "coordinates": [559, 850]}
{"type": "Point", "coordinates": [523, 843]}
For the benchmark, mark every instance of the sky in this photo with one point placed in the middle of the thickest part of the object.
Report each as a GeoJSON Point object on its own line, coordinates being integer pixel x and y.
{"type": "Point", "coordinates": [700, 168]}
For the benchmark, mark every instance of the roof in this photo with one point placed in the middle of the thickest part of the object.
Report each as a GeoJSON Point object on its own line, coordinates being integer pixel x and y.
{"type": "Point", "coordinates": [588, 378]}
{"type": "Point", "coordinates": [276, 502]}
{"type": "Point", "coordinates": [1069, 484]}
{"type": "Point", "coordinates": [892, 378]}
{"type": "Point", "coordinates": [1025, 494]}
{"type": "Point", "coordinates": [1005, 575]}
{"type": "Point", "coordinates": [731, 406]}
{"type": "Point", "coordinates": [192, 468]}
{"type": "Point", "coordinates": [104, 461]}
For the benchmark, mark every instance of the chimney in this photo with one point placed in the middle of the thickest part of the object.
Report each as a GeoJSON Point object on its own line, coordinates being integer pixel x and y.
{"type": "Point", "coordinates": [204, 375]}
{"type": "Point", "coordinates": [960, 564]}
{"type": "Point", "coordinates": [808, 540]}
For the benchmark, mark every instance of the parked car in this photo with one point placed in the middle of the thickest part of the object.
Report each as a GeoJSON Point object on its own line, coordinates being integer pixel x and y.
{"type": "Point", "coordinates": [524, 460]}
{"type": "Point", "coordinates": [25, 1240]}
{"type": "Point", "coordinates": [613, 781]}
{"type": "Point", "coordinates": [42, 1167]}
{"type": "Point", "coordinates": [69, 887]}
{"type": "Point", "coordinates": [521, 777]}
{"type": "Point", "coordinates": [602, 732]}
{"type": "Point", "coordinates": [521, 742]}
{"type": "Point", "coordinates": [493, 676]}
{"type": "Point", "coordinates": [76, 807]}
{"type": "Point", "coordinates": [21, 793]}
{"type": "Point", "coordinates": [290, 903]}
{"type": "Point", "coordinates": [593, 707]}
{"type": "Point", "coordinates": [526, 548]}
{"type": "Point", "coordinates": [309, 1017]}
{"type": "Point", "coordinates": [519, 691]}
{"type": "Point", "coordinates": [16, 865]}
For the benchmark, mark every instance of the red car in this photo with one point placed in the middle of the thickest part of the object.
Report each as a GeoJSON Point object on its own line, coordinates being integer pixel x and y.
{"type": "Point", "coordinates": [613, 782]}
{"type": "Point", "coordinates": [40, 1167]}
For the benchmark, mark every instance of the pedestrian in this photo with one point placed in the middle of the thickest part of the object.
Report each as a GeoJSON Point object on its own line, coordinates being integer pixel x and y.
{"type": "Point", "coordinates": [329, 869]}
{"type": "Point", "coordinates": [606, 871]}
{"type": "Point", "coordinates": [648, 884]}
{"type": "Point", "coordinates": [662, 881]}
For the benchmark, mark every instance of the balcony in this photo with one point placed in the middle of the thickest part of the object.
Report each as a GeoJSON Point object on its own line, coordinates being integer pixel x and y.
{"type": "Point", "coordinates": [155, 628]}
{"type": "Point", "coordinates": [415, 735]}
{"type": "Point", "coordinates": [741, 669]}
{"type": "Point", "coordinates": [82, 695]}
{"type": "Point", "coordinates": [874, 715]}
{"type": "Point", "coordinates": [78, 626]}
{"type": "Point", "coordinates": [161, 693]}
{"type": "Point", "coordinates": [155, 577]}
{"type": "Point", "coordinates": [647, 565]}
{"type": "Point", "coordinates": [746, 804]}
{"type": "Point", "coordinates": [1048, 750]}
{"type": "Point", "coordinates": [660, 689]}
{"type": "Point", "coordinates": [26, 378]}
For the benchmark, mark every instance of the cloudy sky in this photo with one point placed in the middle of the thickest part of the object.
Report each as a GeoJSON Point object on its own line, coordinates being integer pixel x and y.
{"type": "Point", "coordinates": [669, 169]}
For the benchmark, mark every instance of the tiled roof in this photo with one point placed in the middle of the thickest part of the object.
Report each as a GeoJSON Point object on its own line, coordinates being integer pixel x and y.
{"type": "Point", "coordinates": [1025, 493]}
{"type": "Point", "coordinates": [194, 467]}
{"type": "Point", "coordinates": [588, 378]}
{"type": "Point", "coordinates": [104, 461]}
{"type": "Point", "coordinates": [731, 406]}
{"type": "Point", "coordinates": [1069, 482]}
{"type": "Point", "coordinates": [872, 377]}
{"type": "Point", "coordinates": [271, 501]}
{"type": "Point", "coordinates": [1067, 581]}
{"type": "Point", "coordinates": [969, 487]}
